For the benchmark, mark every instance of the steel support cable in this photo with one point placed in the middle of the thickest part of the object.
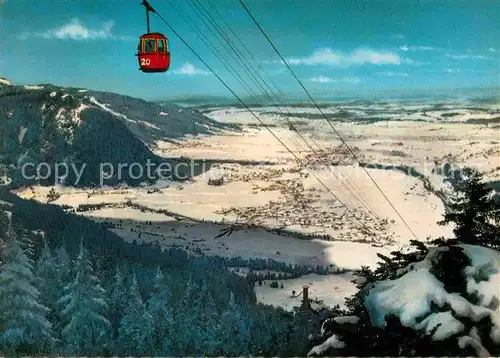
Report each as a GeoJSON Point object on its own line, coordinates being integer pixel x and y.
{"type": "Point", "coordinates": [224, 61]}
{"type": "Point", "coordinates": [250, 72]}
{"type": "Point", "coordinates": [242, 62]}
{"type": "Point", "coordinates": [251, 94]}
{"type": "Point", "coordinates": [326, 118]}
{"type": "Point", "coordinates": [245, 68]}
{"type": "Point", "coordinates": [367, 230]}
{"type": "Point", "coordinates": [214, 49]}
{"type": "Point", "coordinates": [360, 198]}
{"type": "Point", "coordinates": [249, 91]}
{"type": "Point", "coordinates": [207, 42]}
{"type": "Point", "coordinates": [242, 65]}
{"type": "Point", "coordinates": [349, 186]}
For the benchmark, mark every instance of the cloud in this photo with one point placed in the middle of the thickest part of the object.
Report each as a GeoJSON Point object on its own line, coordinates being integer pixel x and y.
{"type": "Point", "coordinates": [491, 49]}
{"type": "Point", "coordinates": [397, 36]}
{"type": "Point", "coordinates": [393, 74]}
{"type": "Point", "coordinates": [75, 30]}
{"type": "Point", "coordinates": [360, 56]}
{"type": "Point", "coordinates": [189, 70]}
{"type": "Point", "coordinates": [451, 70]}
{"type": "Point", "coordinates": [406, 48]}
{"type": "Point", "coordinates": [408, 61]}
{"type": "Point", "coordinates": [324, 79]}
{"type": "Point", "coordinates": [468, 57]}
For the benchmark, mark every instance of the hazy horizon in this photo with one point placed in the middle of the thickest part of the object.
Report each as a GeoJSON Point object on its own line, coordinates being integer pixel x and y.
{"type": "Point", "coordinates": [340, 96]}
{"type": "Point", "coordinates": [331, 46]}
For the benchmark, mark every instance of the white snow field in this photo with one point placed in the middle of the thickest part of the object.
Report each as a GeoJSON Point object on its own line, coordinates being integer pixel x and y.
{"type": "Point", "coordinates": [330, 289]}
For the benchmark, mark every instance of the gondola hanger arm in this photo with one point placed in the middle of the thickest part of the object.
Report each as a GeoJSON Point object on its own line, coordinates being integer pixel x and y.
{"type": "Point", "coordinates": [148, 6]}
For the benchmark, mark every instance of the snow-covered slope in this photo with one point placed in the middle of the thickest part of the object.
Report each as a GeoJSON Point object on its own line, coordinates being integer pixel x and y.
{"type": "Point", "coordinates": [5, 81]}
{"type": "Point", "coordinates": [68, 125]}
{"type": "Point", "coordinates": [149, 121]}
{"type": "Point", "coordinates": [146, 120]}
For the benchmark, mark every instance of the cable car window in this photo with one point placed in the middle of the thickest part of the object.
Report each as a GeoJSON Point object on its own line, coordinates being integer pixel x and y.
{"type": "Point", "coordinates": [149, 45]}
{"type": "Point", "coordinates": [166, 45]}
{"type": "Point", "coordinates": [161, 45]}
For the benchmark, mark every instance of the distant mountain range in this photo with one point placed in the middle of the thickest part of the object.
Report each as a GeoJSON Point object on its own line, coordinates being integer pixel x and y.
{"type": "Point", "coordinates": [51, 124]}
{"type": "Point", "coordinates": [474, 95]}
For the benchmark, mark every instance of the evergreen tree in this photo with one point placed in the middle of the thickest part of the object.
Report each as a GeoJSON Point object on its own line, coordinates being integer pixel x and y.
{"type": "Point", "coordinates": [185, 321]}
{"type": "Point", "coordinates": [474, 212]}
{"type": "Point", "coordinates": [47, 284]}
{"type": "Point", "coordinates": [23, 320]}
{"type": "Point", "coordinates": [27, 246]}
{"type": "Point", "coordinates": [135, 335]}
{"type": "Point", "coordinates": [234, 331]}
{"type": "Point", "coordinates": [62, 279]}
{"type": "Point", "coordinates": [263, 329]}
{"type": "Point", "coordinates": [4, 229]}
{"type": "Point", "coordinates": [53, 195]}
{"type": "Point", "coordinates": [63, 263]}
{"type": "Point", "coordinates": [159, 280]}
{"type": "Point", "coordinates": [208, 323]}
{"type": "Point", "coordinates": [86, 330]}
{"type": "Point", "coordinates": [395, 339]}
{"type": "Point", "coordinates": [117, 299]}
{"type": "Point", "coordinates": [306, 323]}
{"type": "Point", "coordinates": [158, 307]}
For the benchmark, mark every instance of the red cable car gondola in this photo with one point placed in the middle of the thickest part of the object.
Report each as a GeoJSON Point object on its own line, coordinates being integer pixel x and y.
{"type": "Point", "coordinates": [153, 53]}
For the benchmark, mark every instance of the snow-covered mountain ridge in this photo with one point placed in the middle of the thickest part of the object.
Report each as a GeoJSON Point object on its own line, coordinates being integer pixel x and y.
{"type": "Point", "coordinates": [52, 124]}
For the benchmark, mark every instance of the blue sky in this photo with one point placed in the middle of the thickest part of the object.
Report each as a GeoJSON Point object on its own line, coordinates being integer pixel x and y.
{"type": "Point", "coordinates": [343, 45]}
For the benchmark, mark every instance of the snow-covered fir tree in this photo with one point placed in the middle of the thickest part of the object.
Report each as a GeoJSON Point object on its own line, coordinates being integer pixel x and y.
{"type": "Point", "coordinates": [474, 212]}
{"type": "Point", "coordinates": [64, 269]}
{"type": "Point", "coordinates": [5, 231]}
{"type": "Point", "coordinates": [135, 335]}
{"type": "Point", "coordinates": [234, 330]}
{"type": "Point", "coordinates": [27, 246]}
{"type": "Point", "coordinates": [158, 306]}
{"type": "Point", "coordinates": [23, 320]}
{"type": "Point", "coordinates": [207, 316]}
{"type": "Point", "coordinates": [86, 329]}
{"type": "Point", "coordinates": [47, 283]}
{"type": "Point", "coordinates": [63, 277]}
{"type": "Point", "coordinates": [117, 299]}
{"type": "Point", "coordinates": [443, 302]}
{"type": "Point", "coordinates": [188, 312]}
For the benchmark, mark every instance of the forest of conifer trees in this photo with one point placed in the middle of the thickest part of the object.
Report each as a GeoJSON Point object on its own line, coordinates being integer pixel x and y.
{"type": "Point", "coordinates": [54, 303]}
{"type": "Point", "coordinates": [80, 290]}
